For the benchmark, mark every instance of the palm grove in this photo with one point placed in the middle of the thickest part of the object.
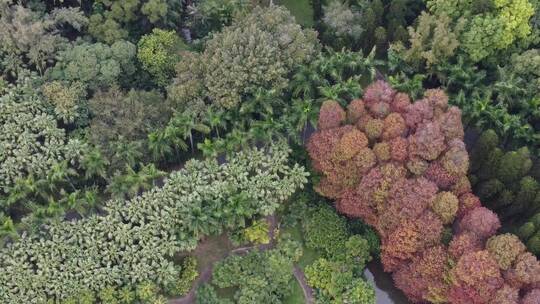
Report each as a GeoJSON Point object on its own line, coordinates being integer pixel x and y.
{"type": "Point", "coordinates": [309, 137]}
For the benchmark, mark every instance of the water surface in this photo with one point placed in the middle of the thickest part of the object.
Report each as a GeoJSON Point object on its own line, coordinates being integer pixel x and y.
{"type": "Point", "coordinates": [385, 290]}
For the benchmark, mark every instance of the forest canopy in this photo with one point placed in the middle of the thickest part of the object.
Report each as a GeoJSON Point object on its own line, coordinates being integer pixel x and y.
{"type": "Point", "coordinates": [269, 151]}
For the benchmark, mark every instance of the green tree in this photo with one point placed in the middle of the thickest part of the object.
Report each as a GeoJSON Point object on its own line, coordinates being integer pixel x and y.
{"type": "Point", "coordinates": [32, 39]}
{"type": "Point", "coordinates": [97, 65]}
{"type": "Point", "coordinates": [324, 229]}
{"type": "Point", "coordinates": [256, 52]}
{"type": "Point", "coordinates": [120, 120]}
{"type": "Point", "coordinates": [158, 52]}
{"type": "Point", "coordinates": [489, 27]}
{"type": "Point", "coordinates": [207, 16]}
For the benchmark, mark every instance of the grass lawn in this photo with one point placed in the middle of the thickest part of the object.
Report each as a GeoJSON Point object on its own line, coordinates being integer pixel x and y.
{"type": "Point", "coordinates": [226, 293]}
{"type": "Point", "coordinates": [212, 249]}
{"type": "Point", "coordinates": [208, 251]}
{"type": "Point", "coordinates": [296, 296]}
{"type": "Point", "coordinates": [309, 255]}
{"type": "Point", "coordinates": [301, 10]}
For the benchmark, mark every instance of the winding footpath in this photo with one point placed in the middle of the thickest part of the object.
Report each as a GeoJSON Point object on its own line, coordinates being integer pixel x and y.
{"type": "Point", "coordinates": [301, 278]}
{"type": "Point", "coordinates": [206, 275]}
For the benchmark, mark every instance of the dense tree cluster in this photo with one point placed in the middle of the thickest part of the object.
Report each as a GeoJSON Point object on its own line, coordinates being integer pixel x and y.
{"type": "Point", "coordinates": [111, 21]}
{"type": "Point", "coordinates": [98, 99]}
{"type": "Point", "coordinates": [31, 141]}
{"type": "Point", "coordinates": [485, 55]}
{"type": "Point", "coordinates": [401, 167]}
{"type": "Point", "coordinates": [96, 65]}
{"type": "Point", "coordinates": [365, 24]}
{"type": "Point", "coordinates": [337, 275]}
{"type": "Point", "coordinates": [207, 16]}
{"type": "Point", "coordinates": [255, 52]}
{"type": "Point", "coordinates": [479, 29]}
{"type": "Point", "coordinates": [529, 232]}
{"type": "Point", "coordinates": [31, 40]}
{"type": "Point", "coordinates": [505, 180]}
{"type": "Point", "coordinates": [260, 276]}
{"type": "Point", "coordinates": [134, 241]}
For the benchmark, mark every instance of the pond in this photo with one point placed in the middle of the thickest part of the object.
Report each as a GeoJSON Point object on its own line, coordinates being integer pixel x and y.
{"type": "Point", "coordinates": [385, 290]}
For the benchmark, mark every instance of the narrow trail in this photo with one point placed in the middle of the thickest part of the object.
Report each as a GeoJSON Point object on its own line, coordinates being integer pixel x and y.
{"type": "Point", "coordinates": [206, 274]}
{"type": "Point", "coordinates": [301, 278]}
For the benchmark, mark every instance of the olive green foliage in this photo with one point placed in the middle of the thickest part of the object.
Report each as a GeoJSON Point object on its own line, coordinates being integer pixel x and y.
{"type": "Point", "coordinates": [32, 40]}
{"type": "Point", "coordinates": [260, 276]}
{"type": "Point", "coordinates": [325, 230]}
{"type": "Point", "coordinates": [145, 292]}
{"type": "Point", "coordinates": [31, 141]}
{"type": "Point", "coordinates": [133, 241]}
{"type": "Point", "coordinates": [502, 178]}
{"type": "Point", "coordinates": [257, 233]}
{"type": "Point", "coordinates": [337, 283]}
{"type": "Point", "coordinates": [433, 41]}
{"type": "Point", "coordinates": [490, 26]}
{"type": "Point", "coordinates": [159, 52]}
{"type": "Point", "coordinates": [337, 275]}
{"type": "Point", "coordinates": [368, 23]}
{"type": "Point", "coordinates": [95, 65]}
{"type": "Point", "coordinates": [207, 16]}
{"type": "Point", "coordinates": [529, 233]}
{"type": "Point", "coordinates": [187, 277]}
{"type": "Point", "coordinates": [206, 294]}
{"type": "Point", "coordinates": [256, 52]}
{"type": "Point", "coordinates": [68, 100]}
{"type": "Point", "coordinates": [111, 21]}
{"type": "Point", "coordinates": [344, 22]}
{"type": "Point", "coordinates": [120, 119]}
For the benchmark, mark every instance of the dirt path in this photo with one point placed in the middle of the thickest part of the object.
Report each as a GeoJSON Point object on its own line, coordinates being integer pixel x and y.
{"type": "Point", "coordinates": [204, 277]}
{"type": "Point", "coordinates": [206, 274]}
{"type": "Point", "coordinates": [301, 278]}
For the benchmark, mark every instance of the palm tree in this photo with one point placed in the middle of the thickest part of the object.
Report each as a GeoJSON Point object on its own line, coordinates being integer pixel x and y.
{"type": "Point", "coordinates": [94, 164]}
{"type": "Point", "coordinates": [173, 136]}
{"type": "Point", "coordinates": [74, 201]}
{"type": "Point", "coordinates": [126, 151]}
{"type": "Point", "coordinates": [184, 124]}
{"type": "Point", "coordinates": [53, 209]}
{"type": "Point", "coordinates": [215, 120]}
{"type": "Point", "coordinates": [305, 81]}
{"type": "Point", "coordinates": [266, 130]}
{"type": "Point", "coordinates": [90, 197]}
{"type": "Point", "coordinates": [303, 113]}
{"type": "Point", "coordinates": [118, 186]}
{"type": "Point", "coordinates": [149, 175]}
{"type": "Point", "coordinates": [263, 102]}
{"type": "Point", "coordinates": [7, 227]}
{"type": "Point", "coordinates": [134, 181]}
{"type": "Point", "coordinates": [21, 190]}
{"type": "Point", "coordinates": [208, 148]}
{"type": "Point", "coordinates": [236, 210]}
{"type": "Point", "coordinates": [197, 221]}
{"type": "Point", "coordinates": [235, 140]}
{"type": "Point", "coordinates": [159, 145]}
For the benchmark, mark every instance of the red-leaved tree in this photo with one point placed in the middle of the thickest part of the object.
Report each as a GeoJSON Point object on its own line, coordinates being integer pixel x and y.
{"type": "Point", "coordinates": [401, 167]}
